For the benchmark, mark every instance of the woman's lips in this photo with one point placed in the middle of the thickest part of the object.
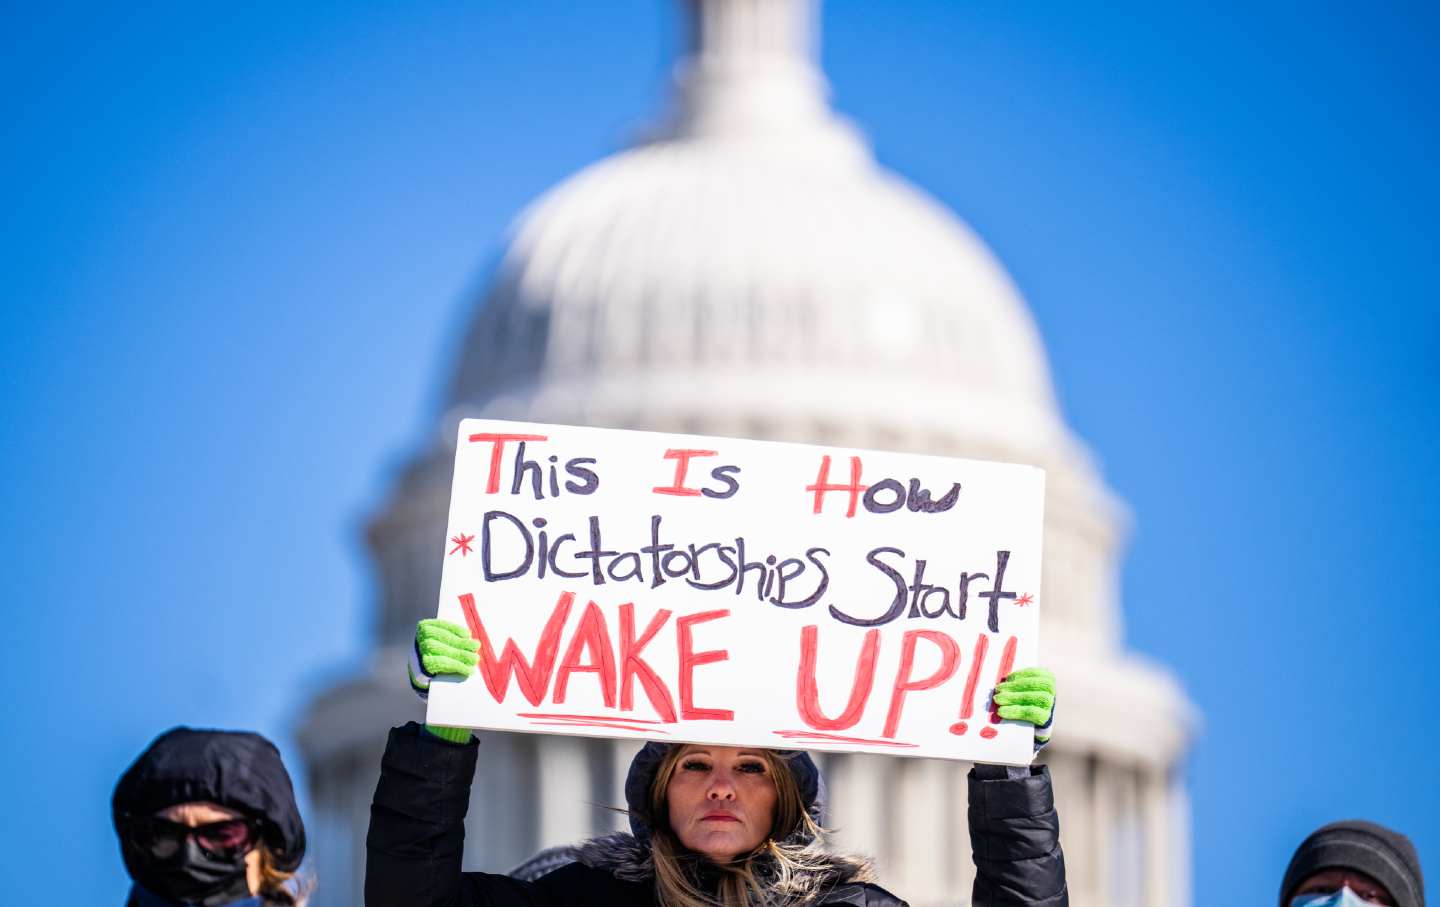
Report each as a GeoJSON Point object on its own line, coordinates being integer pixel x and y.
{"type": "Point", "coordinates": [719, 817]}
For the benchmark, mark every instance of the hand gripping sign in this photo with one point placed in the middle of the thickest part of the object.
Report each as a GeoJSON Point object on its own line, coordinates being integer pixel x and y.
{"type": "Point", "coordinates": [675, 587]}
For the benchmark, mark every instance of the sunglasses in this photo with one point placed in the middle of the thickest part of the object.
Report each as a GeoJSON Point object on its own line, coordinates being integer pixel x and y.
{"type": "Point", "coordinates": [162, 838]}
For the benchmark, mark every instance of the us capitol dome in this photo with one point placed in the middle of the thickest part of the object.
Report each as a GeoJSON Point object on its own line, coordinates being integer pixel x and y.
{"type": "Point", "coordinates": [747, 269]}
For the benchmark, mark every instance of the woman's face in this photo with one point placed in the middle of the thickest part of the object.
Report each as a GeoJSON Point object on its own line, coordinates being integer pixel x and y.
{"type": "Point", "coordinates": [203, 813]}
{"type": "Point", "coordinates": [721, 800]}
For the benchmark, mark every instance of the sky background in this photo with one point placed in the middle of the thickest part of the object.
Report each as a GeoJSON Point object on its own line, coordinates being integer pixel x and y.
{"type": "Point", "coordinates": [238, 246]}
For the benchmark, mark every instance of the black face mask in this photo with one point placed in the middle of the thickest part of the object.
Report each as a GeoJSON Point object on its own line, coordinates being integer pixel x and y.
{"type": "Point", "coordinates": [191, 876]}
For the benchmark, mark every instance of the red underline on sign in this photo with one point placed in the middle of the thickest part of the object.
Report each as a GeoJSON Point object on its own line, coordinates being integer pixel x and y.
{"type": "Point", "coordinates": [587, 717]}
{"type": "Point", "coordinates": [836, 738]}
{"type": "Point", "coordinates": [609, 724]}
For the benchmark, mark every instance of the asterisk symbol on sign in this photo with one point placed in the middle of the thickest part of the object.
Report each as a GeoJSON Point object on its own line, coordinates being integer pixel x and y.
{"type": "Point", "coordinates": [1025, 599]}
{"type": "Point", "coordinates": [462, 543]}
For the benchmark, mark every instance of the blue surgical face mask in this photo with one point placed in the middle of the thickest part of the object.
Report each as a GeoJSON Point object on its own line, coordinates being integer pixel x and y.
{"type": "Point", "coordinates": [1342, 898]}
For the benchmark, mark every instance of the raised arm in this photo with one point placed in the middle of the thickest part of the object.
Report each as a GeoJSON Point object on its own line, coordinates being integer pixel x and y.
{"type": "Point", "coordinates": [1014, 829]}
{"type": "Point", "coordinates": [417, 819]}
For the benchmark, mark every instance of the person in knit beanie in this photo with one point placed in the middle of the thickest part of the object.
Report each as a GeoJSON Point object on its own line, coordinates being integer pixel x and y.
{"type": "Point", "coordinates": [1351, 864]}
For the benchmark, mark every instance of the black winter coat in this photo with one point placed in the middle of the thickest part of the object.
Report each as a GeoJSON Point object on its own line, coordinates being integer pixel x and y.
{"type": "Point", "coordinates": [417, 836]}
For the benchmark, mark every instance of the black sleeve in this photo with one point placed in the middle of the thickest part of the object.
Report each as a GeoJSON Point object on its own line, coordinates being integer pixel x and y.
{"type": "Point", "coordinates": [417, 830]}
{"type": "Point", "coordinates": [1015, 838]}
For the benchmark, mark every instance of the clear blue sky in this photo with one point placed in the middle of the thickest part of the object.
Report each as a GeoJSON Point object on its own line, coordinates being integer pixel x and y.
{"type": "Point", "coordinates": [238, 245]}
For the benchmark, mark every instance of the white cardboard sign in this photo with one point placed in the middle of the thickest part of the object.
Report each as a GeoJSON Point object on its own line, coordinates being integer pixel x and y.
{"type": "Point", "coordinates": [676, 587]}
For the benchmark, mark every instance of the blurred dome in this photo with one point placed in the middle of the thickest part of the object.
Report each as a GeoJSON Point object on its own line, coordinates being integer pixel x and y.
{"type": "Point", "coordinates": [691, 282]}
{"type": "Point", "coordinates": [749, 257]}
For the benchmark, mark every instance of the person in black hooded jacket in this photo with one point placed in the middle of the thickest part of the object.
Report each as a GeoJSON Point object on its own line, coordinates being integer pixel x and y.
{"type": "Point", "coordinates": [710, 825]}
{"type": "Point", "coordinates": [208, 818]}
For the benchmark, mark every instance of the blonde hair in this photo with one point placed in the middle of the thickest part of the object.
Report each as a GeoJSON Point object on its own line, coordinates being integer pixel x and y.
{"type": "Point", "coordinates": [279, 887]}
{"type": "Point", "coordinates": [779, 871]}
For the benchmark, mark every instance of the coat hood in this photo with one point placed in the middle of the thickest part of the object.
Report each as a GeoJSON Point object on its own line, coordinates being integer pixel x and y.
{"type": "Point", "coordinates": [235, 769]}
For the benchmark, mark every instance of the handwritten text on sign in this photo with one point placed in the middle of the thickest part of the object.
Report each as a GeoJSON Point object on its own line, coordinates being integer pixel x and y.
{"type": "Point", "coordinates": [630, 584]}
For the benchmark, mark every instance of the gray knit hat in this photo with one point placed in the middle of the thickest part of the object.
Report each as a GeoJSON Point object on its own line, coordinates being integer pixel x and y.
{"type": "Point", "coordinates": [1385, 855]}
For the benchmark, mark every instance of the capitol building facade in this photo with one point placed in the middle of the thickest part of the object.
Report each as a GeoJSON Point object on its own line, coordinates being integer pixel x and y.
{"type": "Point", "coordinates": [748, 270]}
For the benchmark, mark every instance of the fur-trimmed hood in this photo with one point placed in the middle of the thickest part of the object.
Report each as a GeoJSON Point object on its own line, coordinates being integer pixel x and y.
{"type": "Point", "coordinates": [627, 859]}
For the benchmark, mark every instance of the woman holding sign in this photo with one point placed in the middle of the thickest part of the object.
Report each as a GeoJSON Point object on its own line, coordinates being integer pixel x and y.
{"type": "Point", "coordinates": [712, 826]}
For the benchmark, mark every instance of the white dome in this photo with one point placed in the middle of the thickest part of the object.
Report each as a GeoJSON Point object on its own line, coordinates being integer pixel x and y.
{"type": "Point", "coordinates": [752, 258]}
{"type": "Point", "coordinates": [710, 280]}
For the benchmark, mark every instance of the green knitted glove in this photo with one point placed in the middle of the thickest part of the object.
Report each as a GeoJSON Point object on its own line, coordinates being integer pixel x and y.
{"type": "Point", "coordinates": [1028, 695]}
{"type": "Point", "coordinates": [441, 647]}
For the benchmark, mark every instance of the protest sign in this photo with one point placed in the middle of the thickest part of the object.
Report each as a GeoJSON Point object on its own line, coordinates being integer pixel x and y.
{"type": "Point", "coordinates": [675, 587]}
